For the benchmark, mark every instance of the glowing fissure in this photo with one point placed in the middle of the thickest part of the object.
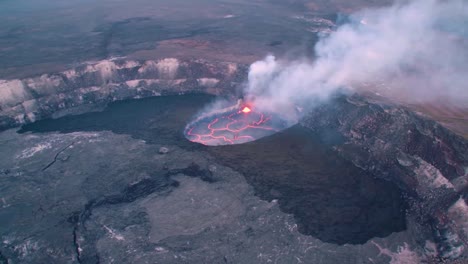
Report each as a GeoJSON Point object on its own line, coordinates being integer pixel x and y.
{"type": "Point", "coordinates": [246, 110]}
{"type": "Point", "coordinates": [236, 127]}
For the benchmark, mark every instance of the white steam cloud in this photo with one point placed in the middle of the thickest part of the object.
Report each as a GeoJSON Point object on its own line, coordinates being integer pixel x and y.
{"type": "Point", "coordinates": [414, 52]}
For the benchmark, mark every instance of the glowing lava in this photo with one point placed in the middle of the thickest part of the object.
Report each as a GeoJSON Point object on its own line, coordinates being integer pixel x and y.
{"type": "Point", "coordinates": [233, 125]}
{"type": "Point", "coordinates": [246, 110]}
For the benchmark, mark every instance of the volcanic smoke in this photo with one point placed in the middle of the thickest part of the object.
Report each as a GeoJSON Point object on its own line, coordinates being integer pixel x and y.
{"type": "Point", "coordinates": [413, 52]}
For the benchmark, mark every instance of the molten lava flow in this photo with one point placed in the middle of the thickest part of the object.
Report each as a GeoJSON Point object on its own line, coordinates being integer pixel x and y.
{"type": "Point", "coordinates": [232, 127]}
{"type": "Point", "coordinates": [246, 110]}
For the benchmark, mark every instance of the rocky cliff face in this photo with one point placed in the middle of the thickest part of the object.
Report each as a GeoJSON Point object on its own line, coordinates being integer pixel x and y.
{"type": "Point", "coordinates": [426, 160]}
{"type": "Point", "coordinates": [95, 84]}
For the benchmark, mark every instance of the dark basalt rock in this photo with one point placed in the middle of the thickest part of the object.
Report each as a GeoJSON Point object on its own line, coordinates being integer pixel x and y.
{"type": "Point", "coordinates": [330, 198]}
{"type": "Point", "coordinates": [3, 259]}
{"type": "Point", "coordinates": [426, 160]}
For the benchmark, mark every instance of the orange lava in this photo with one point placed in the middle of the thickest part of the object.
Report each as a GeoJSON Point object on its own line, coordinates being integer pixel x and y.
{"type": "Point", "coordinates": [232, 128]}
{"type": "Point", "coordinates": [246, 110]}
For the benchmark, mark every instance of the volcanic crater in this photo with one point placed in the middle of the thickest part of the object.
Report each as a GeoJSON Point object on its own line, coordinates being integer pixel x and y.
{"type": "Point", "coordinates": [352, 171]}
{"type": "Point", "coordinates": [330, 197]}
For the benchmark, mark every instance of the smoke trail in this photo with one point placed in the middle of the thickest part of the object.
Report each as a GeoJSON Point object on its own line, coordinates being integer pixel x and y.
{"type": "Point", "coordinates": [414, 52]}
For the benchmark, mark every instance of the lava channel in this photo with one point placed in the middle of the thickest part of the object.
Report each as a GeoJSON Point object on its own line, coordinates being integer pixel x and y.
{"type": "Point", "coordinates": [234, 125]}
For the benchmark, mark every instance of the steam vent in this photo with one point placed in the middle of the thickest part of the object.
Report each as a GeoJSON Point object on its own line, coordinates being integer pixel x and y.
{"type": "Point", "coordinates": [233, 132]}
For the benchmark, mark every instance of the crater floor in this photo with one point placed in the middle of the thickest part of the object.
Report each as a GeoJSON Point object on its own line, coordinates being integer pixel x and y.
{"type": "Point", "coordinates": [99, 187]}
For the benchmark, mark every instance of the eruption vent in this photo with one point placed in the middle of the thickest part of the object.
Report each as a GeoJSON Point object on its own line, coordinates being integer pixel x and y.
{"type": "Point", "coordinates": [246, 110]}
{"type": "Point", "coordinates": [238, 124]}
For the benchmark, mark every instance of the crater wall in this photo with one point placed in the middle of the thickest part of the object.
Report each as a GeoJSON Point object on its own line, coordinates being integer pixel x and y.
{"type": "Point", "coordinates": [95, 84]}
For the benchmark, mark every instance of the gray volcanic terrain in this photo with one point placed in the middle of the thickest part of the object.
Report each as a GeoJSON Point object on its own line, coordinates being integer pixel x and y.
{"type": "Point", "coordinates": [96, 167]}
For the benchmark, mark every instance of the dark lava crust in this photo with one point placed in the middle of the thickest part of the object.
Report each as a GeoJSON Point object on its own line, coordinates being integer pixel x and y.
{"type": "Point", "coordinates": [331, 198]}
{"type": "Point", "coordinates": [350, 171]}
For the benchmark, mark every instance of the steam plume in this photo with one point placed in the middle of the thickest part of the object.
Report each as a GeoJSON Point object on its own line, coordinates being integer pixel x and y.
{"type": "Point", "coordinates": [413, 51]}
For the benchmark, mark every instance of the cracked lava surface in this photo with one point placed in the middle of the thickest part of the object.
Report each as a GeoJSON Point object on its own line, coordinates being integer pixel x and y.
{"type": "Point", "coordinates": [236, 125]}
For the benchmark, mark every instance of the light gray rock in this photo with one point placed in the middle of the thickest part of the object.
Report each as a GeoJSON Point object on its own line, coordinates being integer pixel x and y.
{"type": "Point", "coordinates": [163, 150]}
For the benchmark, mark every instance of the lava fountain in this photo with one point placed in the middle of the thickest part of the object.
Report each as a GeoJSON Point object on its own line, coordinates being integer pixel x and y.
{"type": "Point", "coordinates": [240, 123]}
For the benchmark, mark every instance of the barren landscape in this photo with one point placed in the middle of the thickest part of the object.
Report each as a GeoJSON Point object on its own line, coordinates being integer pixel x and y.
{"type": "Point", "coordinates": [125, 136]}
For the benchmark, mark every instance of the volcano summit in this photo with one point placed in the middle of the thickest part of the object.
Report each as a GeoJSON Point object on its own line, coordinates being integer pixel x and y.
{"type": "Point", "coordinates": [122, 138]}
